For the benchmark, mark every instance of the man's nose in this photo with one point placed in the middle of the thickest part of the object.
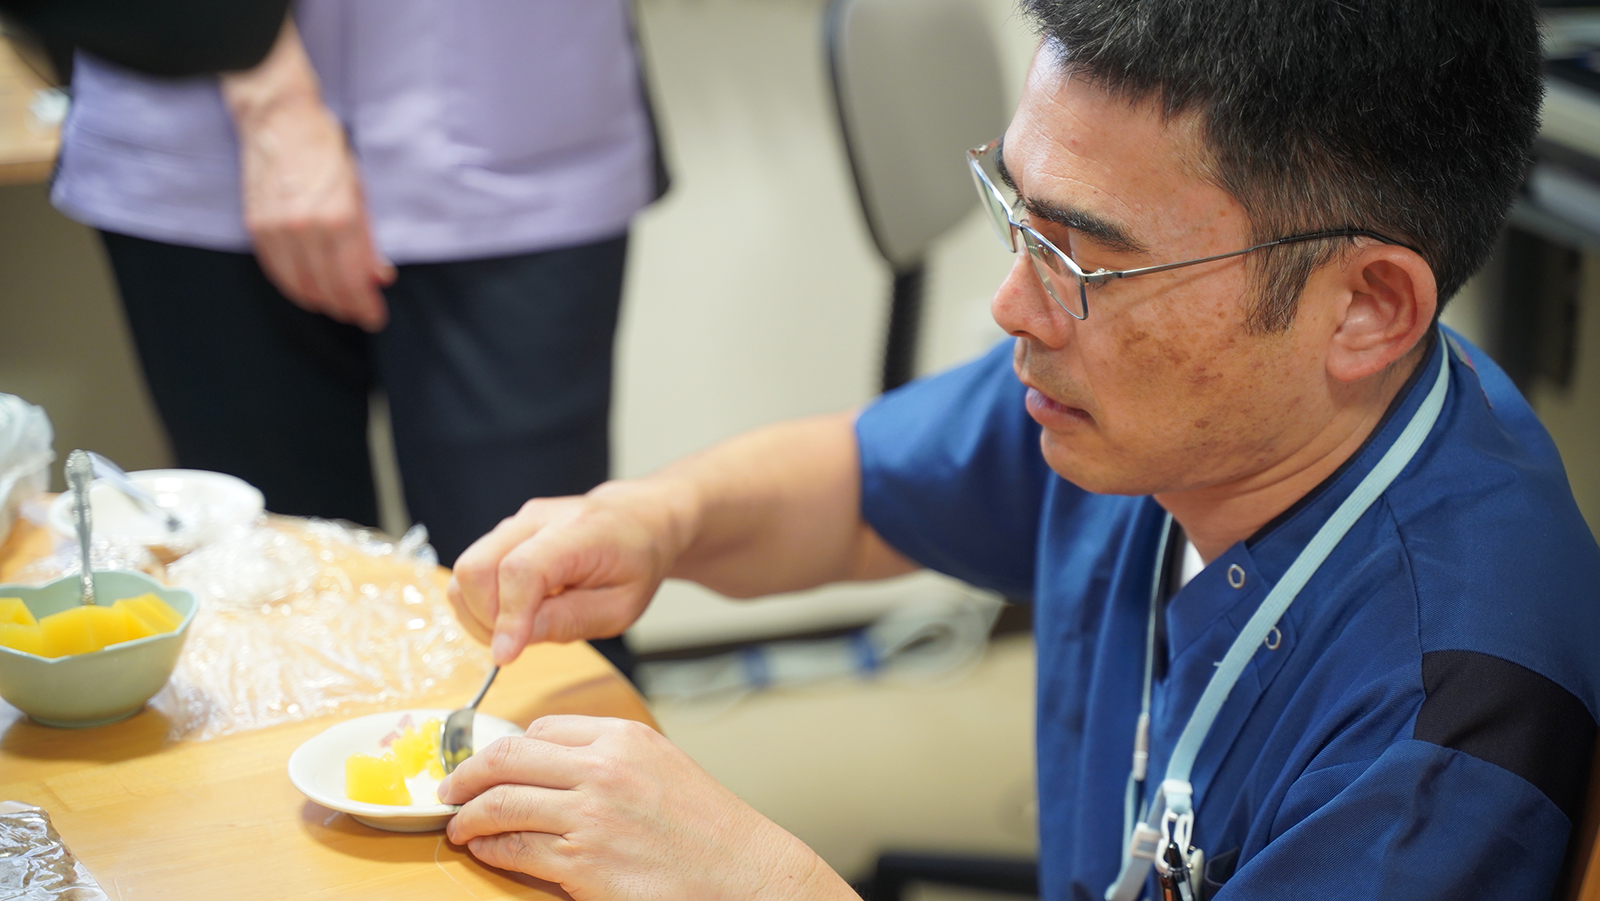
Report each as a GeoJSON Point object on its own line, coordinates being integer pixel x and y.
{"type": "Point", "coordinates": [1024, 309]}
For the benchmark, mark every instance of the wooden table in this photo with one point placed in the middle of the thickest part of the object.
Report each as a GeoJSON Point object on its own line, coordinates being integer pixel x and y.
{"type": "Point", "coordinates": [219, 818]}
{"type": "Point", "coordinates": [27, 148]}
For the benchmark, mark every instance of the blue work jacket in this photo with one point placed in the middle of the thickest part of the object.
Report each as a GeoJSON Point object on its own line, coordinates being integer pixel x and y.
{"type": "Point", "coordinates": [1423, 725]}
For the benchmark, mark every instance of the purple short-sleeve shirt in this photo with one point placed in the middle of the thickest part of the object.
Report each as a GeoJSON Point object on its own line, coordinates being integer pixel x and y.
{"type": "Point", "coordinates": [481, 128]}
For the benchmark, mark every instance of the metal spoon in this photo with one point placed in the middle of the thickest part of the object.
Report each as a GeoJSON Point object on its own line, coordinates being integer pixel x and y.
{"type": "Point", "coordinates": [456, 745]}
{"type": "Point", "coordinates": [120, 480]}
{"type": "Point", "coordinates": [79, 475]}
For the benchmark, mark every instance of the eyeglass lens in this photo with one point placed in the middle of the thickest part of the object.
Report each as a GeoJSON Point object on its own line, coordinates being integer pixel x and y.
{"type": "Point", "coordinates": [1055, 275]}
{"type": "Point", "coordinates": [995, 206]}
{"type": "Point", "coordinates": [1060, 282]}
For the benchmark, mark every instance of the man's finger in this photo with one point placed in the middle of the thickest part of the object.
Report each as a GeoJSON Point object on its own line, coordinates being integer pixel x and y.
{"type": "Point", "coordinates": [570, 730]}
{"type": "Point", "coordinates": [576, 615]}
{"type": "Point", "coordinates": [533, 853]}
{"type": "Point", "coordinates": [520, 760]}
{"type": "Point", "coordinates": [464, 613]}
{"type": "Point", "coordinates": [477, 570]}
{"type": "Point", "coordinates": [514, 808]}
{"type": "Point", "coordinates": [529, 573]}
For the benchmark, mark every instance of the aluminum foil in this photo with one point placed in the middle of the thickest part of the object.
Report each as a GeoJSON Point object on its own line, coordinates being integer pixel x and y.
{"type": "Point", "coordinates": [35, 864]}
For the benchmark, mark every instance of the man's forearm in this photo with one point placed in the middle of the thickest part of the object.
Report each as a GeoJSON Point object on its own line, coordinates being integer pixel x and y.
{"type": "Point", "coordinates": [774, 510]}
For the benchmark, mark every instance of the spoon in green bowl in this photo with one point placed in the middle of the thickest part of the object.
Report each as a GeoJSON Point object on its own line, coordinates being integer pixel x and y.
{"type": "Point", "coordinates": [80, 472]}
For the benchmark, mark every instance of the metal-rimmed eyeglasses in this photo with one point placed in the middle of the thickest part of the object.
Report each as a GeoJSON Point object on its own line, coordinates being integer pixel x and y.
{"type": "Point", "coordinates": [1063, 279]}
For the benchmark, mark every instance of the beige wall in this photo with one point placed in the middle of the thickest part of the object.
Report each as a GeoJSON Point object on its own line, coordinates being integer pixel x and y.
{"type": "Point", "coordinates": [63, 341]}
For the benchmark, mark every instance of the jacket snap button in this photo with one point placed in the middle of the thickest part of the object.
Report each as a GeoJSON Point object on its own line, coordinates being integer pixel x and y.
{"type": "Point", "coordinates": [1236, 575]}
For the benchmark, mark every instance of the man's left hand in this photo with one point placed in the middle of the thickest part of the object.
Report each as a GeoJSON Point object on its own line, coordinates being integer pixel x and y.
{"type": "Point", "coordinates": [609, 809]}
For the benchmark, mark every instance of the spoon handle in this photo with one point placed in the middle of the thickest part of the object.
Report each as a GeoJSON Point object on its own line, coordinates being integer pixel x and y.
{"type": "Point", "coordinates": [111, 472]}
{"type": "Point", "coordinates": [485, 689]}
{"type": "Point", "coordinates": [79, 475]}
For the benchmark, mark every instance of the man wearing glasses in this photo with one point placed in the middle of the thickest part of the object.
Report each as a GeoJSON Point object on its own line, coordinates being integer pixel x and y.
{"type": "Point", "coordinates": [1315, 610]}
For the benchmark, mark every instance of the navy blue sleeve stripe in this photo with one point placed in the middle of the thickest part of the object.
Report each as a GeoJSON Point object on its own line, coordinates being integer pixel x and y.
{"type": "Point", "coordinates": [1508, 715]}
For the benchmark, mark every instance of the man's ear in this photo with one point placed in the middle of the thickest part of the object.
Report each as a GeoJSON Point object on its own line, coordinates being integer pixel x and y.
{"type": "Point", "coordinates": [1391, 301]}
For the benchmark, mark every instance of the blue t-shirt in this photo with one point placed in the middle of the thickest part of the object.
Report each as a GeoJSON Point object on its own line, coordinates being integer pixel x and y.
{"type": "Point", "coordinates": [1422, 727]}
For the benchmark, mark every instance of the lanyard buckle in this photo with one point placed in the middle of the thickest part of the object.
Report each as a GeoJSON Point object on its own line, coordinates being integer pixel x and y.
{"type": "Point", "coordinates": [1177, 834]}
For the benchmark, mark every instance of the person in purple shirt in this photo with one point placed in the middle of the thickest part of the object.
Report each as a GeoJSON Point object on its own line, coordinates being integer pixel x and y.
{"type": "Point", "coordinates": [427, 198]}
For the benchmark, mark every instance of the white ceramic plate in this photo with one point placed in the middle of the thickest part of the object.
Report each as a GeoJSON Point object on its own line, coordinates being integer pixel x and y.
{"type": "Point", "coordinates": [317, 767]}
{"type": "Point", "coordinates": [204, 502]}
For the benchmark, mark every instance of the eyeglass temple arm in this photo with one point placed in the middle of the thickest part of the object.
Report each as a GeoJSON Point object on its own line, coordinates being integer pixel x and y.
{"type": "Point", "coordinates": [1104, 275]}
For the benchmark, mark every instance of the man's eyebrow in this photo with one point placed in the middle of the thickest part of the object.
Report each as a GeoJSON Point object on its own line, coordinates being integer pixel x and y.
{"type": "Point", "coordinates": [1000, 163]}
{"type": "Point", "coordinates": [1109, 235]}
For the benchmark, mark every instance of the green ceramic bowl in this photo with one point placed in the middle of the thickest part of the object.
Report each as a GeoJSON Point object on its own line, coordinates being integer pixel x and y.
{"type": "Point", "coordinates": [99, 688]}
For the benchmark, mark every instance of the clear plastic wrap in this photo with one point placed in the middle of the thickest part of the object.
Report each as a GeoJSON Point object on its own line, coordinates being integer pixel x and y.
{"type": "Point", "coordinates": [25, 455]}
{"type": "Point", "coordinates": [303, 618]}
{"type": "Point", "coordinates": [104, 553]}
{"type": "Point", "coordinates": [35, 864]}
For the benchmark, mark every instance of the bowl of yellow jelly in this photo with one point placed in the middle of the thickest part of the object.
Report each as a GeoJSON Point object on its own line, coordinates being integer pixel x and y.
{"type": "Point", "coordinates": [384, 769]}
{"type": "Point", "coordinates": [65, 664]}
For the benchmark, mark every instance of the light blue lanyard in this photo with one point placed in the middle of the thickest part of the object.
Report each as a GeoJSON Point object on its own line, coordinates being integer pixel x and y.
{"type": "Point", "coordinates": [1145, 842]}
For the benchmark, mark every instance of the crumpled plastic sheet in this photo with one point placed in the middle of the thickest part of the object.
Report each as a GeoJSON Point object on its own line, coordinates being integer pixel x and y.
{"type": "Point", "coordinates": [104, 553]}
{"type": "Point", "coordinates": [25, 455]}
{"type": "Point", "coordinates": [304, 618]}
{"type": "Point", "coordinates": [34, 863]}
{"type": "Point", "coordinates": [299, 619]}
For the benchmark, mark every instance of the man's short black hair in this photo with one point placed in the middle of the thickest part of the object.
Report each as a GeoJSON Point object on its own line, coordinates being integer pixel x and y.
{"type": "Point", "coordinates": [1410, 118]}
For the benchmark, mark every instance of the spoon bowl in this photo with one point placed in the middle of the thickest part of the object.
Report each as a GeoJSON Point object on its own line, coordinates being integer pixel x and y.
{"type": "Point", "coordinates": [455, 745]}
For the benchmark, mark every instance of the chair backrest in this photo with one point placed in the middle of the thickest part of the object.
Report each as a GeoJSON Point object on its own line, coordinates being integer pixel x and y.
{"type": "Point", "coordinates": [917, 82]}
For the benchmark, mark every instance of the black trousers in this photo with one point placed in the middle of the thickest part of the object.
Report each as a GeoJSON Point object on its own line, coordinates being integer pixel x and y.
{"type": "Point", "coordinates": [498, 373]}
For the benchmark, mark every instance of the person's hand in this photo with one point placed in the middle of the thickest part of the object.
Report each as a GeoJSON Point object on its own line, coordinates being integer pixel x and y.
{"type": "Point", "coordinates": [569, 568]}
{"type": "Point", "coordinates": [304, 211]}
{"type": "Point", "coordinates": [609, 809]}
{"type": "Point", "coordinates": [302, 195]}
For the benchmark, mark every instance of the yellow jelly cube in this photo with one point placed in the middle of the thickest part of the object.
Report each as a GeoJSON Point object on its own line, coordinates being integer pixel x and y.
{"type": "Point", "coordinates": [411, 750]}
{"type": "Point", "coordinates": [416, 746]}
{"type": "Point", "coordinates": [375, 780]}
{"type": "Point", "coordinates": [148, 615]}
{"type": "Point", "coordinates": [12, 610]}
{"type": "Point", "coordinates": [18, 637]}
{"type": "Point", "coordinates": [158, 613]}
{"type": "Point", "coordinates": [82, 630]}
{"type": "Point", "coordinates": [148, 621]}
{"type": "Point", "coordinates": [138, 626]}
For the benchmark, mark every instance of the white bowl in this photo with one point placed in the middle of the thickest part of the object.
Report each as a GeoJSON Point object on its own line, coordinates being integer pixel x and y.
{"type": "Point", "coordinates": [317, 768]}
{"type": "Point", "coordinates": [204, 502]}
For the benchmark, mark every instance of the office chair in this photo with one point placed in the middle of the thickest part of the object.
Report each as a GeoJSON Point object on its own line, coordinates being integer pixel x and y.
{"type": "Point", "coordinates": [916, 83]}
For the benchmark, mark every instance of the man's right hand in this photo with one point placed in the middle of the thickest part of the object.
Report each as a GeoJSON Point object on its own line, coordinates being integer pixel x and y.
{"type": "Point", "coordinates": [568, 568]}
{"type": "Point", "coordinates": [302, 194]}
{"type": "Point", "coordinates": [774, 510]}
